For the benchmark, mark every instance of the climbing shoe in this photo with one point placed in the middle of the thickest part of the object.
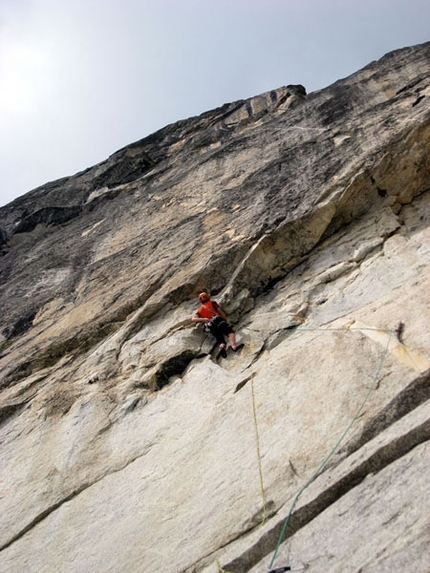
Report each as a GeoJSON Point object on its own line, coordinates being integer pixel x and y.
{"type": "Point", "coordinates": [222, 353]}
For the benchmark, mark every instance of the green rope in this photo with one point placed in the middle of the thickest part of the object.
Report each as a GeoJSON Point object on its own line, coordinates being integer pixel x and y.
{"type": "Point", "coordinates": [324, 463]}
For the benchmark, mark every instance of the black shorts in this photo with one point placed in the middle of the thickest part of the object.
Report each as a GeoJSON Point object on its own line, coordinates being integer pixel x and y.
{"type": "Point", "coordinates": [219, 328]}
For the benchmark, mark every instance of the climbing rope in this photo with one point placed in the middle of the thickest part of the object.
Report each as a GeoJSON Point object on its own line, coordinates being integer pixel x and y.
{"type": "Point", "coordinates": [257, 439]}
{"type": "Point", "coordinates": [333, 450]}
{"type": "Point", "coordinates": [304, 329]}
{"type": "Point", "coordinates": [220, 569]}
{"type": "Point", "coordinates": [257, 446]}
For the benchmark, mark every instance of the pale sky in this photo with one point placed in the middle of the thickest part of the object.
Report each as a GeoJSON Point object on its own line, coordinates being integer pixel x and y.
{"type": "Point", "coordinates": [79, 79]}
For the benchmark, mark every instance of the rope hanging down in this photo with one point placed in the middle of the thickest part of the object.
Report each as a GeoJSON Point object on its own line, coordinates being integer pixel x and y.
{"type": "Point", "coordinates": [325, 461]}
{"type": "Point", "coordinates": [220, 569]}
{"type": "Point", "coordinates": [257, 439]}
{"type": "Point", "coordinates": [332, 451]}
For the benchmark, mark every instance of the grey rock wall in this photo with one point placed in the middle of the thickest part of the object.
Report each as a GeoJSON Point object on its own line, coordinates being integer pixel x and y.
{"type": "Point", "coordinates": [125, 444]}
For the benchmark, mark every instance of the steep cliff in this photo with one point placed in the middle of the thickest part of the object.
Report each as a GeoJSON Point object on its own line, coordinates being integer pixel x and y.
{"type": "Point", "coordinates": [125, 444]}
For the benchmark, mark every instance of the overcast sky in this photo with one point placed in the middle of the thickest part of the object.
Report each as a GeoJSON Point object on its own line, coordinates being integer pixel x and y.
{"type": "Point", "coordinates": [79, 79]}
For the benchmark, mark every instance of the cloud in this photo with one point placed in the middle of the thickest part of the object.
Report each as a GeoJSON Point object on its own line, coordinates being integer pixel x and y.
{"type": "Point", "coordinates": [82, 79]}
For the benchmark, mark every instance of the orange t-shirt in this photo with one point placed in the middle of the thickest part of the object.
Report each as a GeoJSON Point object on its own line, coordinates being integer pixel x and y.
{"type": "Point", "coordinates": [209, 309]}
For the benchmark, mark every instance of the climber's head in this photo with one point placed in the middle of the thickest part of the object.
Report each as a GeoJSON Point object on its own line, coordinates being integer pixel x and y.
{"type": "Point", "coordinates": [204, 297]}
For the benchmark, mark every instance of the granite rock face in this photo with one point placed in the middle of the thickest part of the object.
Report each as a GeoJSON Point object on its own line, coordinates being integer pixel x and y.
{"type": "Point", "coordinates": [125, 444]}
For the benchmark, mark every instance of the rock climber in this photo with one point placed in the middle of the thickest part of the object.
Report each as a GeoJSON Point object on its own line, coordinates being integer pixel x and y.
{"type": "Point", "coordinates": [214, 320]}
